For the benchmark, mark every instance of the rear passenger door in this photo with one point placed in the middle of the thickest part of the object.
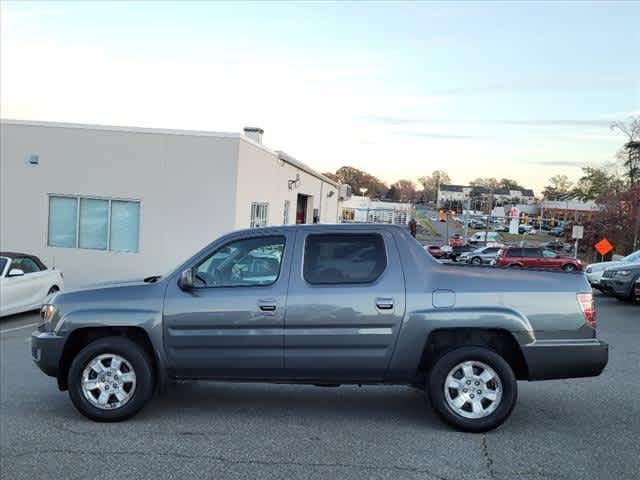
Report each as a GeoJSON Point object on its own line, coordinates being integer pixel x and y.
{"type": "Point", "coordinates": [346, 301]}
{"type": "Point", "coordinates": [532, 257]}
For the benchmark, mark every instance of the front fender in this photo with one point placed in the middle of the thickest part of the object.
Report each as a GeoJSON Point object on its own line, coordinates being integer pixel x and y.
{"type": "Point", "coordinates": [419, 324]}
{"type": "Point", "coordinates": [149, 320]}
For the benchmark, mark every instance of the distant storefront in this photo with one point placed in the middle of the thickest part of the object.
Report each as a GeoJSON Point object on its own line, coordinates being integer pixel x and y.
{"type": "Point", "coordinates": [360, 209]}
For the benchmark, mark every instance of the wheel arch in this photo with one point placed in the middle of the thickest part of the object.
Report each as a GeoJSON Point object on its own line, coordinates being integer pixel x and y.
{"type": "Point", "coordinates": [81, 337]}
{"type": "Point", "coordinates": [443, 340]}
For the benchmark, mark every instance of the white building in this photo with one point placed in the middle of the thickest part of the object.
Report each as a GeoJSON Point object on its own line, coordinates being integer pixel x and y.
{"type": "Point", "coordinates": [448, 194]}
{"type": "Point", "coordinates": [106, 203]}
{"type": "Point", "coordinates": [363, 209]}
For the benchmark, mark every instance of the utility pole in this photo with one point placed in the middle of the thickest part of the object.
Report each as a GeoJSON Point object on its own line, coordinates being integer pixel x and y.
{"type": "Point", "coordinates": [637, 226]}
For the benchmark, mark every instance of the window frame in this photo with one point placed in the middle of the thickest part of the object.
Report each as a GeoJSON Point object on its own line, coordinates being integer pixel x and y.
{"type": "Point", "coordinates": [78, 198]}
{"type": "Point", "coordinates": [254, 208]}
{"type": "Point", "coordinates": [235, 240]}
{"type": "Point", "coordinates": [378, 236]}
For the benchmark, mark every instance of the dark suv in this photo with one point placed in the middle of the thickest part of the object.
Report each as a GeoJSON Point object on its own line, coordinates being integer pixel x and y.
{"type": "Point", "coordinates": [536, 257]}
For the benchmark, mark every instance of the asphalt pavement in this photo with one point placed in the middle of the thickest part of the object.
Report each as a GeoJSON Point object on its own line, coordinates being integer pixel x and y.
{"type": "Point", "coordinates": [563, 429]}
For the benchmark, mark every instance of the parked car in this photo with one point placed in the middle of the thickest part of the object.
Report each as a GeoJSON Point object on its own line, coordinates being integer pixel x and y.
{"type": "Point", "coordinates": [620, 281]}
{"type": "Point", "coordinates": [594, 271]}
{"type": "Point", "coordinates": [456, 240]}
{"type": "Point", "coordinates": [457, 251]}
{"type": "Point", "coordinates": [485, 237]}
{"type": "Point", "coordinates": [477, 224]}
{"type": "Point", "coordinates": [25, 282]}
{"type": "Point", "coordinates": [557, 246]}
{"type": "Point", "coordinates": [483, 255]}
{"type": "Point", "coordinates": [557, 232]}
{"type": "Point", "coordinates": [435, 251]}
{"type": "Point", "coordinates": [391, 316]}
{"type": "Point", "coordinates": [524, 228]}
{"type": "Point", "coordinates": [501, 227]}
{"type": "Point", "coordinates": [536, 257]}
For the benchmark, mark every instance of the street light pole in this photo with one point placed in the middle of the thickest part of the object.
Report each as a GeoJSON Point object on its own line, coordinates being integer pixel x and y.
{"type": "Point", "coordinates": [637, 226]}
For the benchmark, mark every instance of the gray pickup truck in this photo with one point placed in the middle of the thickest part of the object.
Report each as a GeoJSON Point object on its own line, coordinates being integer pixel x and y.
{"type": "Point", "coordinates": [323, 305]}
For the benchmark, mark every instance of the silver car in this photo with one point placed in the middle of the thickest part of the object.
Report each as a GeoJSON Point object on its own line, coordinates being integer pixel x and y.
{"type": "Point", "coordinates": [479, 256]}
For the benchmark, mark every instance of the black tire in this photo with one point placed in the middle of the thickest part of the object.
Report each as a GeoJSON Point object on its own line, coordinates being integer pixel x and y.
{"type": "Point", "coordinates": [476, 261]}
{"type": "Point", "coordinates": [447, 362]}
{"type": "Point", "coordinates": [515, 265]}
{"type": "Point", "coordinates": [569, 267]}
{"type": "Point", "coordinates": [142, 366]}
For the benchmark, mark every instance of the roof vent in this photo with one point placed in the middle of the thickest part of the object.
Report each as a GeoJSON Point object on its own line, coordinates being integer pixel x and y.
{"type": "Point", "coordinates": [254, 133]}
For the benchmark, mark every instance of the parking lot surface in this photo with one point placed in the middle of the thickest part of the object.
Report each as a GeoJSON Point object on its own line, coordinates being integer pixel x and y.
{"type": "Point", "coordinates": [564, 429]}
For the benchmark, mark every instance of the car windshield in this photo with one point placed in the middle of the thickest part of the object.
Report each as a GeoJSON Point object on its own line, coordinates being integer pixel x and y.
{"type": "Point", "coordinates": [632, 258]}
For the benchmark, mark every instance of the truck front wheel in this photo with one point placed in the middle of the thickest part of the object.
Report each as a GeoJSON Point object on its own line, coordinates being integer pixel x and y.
{"type": "Point", "coordinates": [110, 379]}
{"type": "Point", "coordinates": [473, 389]}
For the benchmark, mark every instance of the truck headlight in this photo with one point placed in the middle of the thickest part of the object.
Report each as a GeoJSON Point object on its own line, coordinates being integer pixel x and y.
{"type": "Point", "coordinates": [46, 312]}
{"type": "Point", "coordinates": [623, 273]}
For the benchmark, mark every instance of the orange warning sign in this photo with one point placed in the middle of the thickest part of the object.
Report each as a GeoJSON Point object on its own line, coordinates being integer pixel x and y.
{"type": "Point", "coordinates": [603, 246]}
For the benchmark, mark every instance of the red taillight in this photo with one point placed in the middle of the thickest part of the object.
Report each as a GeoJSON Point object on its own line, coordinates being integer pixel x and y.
{"type": "Point", "coordinates": [585, 300]}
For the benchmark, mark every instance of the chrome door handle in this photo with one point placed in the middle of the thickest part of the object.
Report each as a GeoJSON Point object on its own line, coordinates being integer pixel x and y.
{"type": "Point", "coordinates": [384, 303]}
{"type": "Point", "coordinates": [267, 305]}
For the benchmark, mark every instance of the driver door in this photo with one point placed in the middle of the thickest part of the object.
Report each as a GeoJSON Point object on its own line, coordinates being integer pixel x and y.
{"type": "Point", "coordinates": [231, 325]}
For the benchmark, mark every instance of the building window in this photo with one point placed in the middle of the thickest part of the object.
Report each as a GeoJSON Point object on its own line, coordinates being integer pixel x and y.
{"type": "Point", "coordinates": [259, 214]}
{"type": "Point", "coordinates": [94, 223]}
{"type": "Point", "coordinates": [348, 214]}
{"type": "Point", "coordinates": [285, 218]}
{"type": "Point", "coordinates": [63, 222]}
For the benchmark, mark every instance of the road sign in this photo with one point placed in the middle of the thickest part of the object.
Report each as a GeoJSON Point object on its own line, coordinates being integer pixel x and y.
{"type": "Point", "coordinates": [603, 246]}
{"type": "Point", "coordinates": [578, 232]}
{"type": "Point", "coordinates": [513, 226]}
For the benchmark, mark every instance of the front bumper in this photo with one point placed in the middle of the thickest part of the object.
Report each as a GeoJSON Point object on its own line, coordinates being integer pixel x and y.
{"type": "Point", "coordinates": [551, 359]}
{"type": "Point", "coordinates": [617, 287]}
{"type": "Point", "coordinates": [46, 351]}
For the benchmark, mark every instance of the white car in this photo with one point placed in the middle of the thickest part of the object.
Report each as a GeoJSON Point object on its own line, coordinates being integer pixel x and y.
{"type": "Point", "coordinates": [594, 271]}
{"type": "Point", "coordinates": [25, 282]}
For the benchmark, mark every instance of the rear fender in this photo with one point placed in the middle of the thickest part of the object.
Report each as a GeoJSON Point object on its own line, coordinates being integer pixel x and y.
{"type": "Point", "coordinates": [419, 324]}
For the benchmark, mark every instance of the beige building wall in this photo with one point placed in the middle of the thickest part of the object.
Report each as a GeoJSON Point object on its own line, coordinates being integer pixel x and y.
{"type": "Point", "coordinates": [263, 176]}
{"type": "Point", "coordinates": [185, 185]}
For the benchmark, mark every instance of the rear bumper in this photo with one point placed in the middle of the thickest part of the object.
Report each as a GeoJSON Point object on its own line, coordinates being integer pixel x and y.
{"type": "Point", "coordinates": [46, 351]}
{"type": "Point", "coordinates": [549, 359]}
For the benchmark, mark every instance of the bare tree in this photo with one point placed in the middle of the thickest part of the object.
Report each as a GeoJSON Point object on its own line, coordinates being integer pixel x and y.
{"type": "Point", "coordinates": [631, 130]}
{"type": "Point", "coordinates": [431, 184]}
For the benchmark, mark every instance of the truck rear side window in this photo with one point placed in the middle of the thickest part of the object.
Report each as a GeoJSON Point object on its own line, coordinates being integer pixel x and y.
{"type": "Point", "coordinates": [344, 258]}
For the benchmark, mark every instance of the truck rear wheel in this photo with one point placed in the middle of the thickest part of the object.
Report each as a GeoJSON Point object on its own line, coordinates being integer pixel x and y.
{"type": "Point", "coordinates": [110, 379]}
{"type": "Point", "coordinates": [473, 389]}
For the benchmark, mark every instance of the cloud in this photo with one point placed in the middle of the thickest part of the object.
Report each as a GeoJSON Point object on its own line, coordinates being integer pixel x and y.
{"type": "Point", "coordinates": [557, 163]}
{"type": "Point", "coordinates": [437, 136]}
{"type": "Point", "coordinates": [558, 123]}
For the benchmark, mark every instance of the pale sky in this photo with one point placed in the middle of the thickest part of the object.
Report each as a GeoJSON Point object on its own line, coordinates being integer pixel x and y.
{"type": "Point", "coordinates": [520, 90]}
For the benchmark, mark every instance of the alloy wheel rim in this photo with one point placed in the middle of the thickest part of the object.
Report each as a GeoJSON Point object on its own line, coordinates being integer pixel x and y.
{"type": "Point", "coordinates": [473, 389]}
{"type": "Point", "coordinates": [108, 381]}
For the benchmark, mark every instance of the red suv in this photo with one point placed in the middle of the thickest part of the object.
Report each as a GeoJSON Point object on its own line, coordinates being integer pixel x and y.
{"type": "Point", "coordinates": [536, 257]}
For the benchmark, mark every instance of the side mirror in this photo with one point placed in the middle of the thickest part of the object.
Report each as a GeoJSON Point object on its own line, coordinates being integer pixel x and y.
{"type": "Point", "coordinates": [187, 279]}
{"type": "Point", "coordinates": [15, 272]}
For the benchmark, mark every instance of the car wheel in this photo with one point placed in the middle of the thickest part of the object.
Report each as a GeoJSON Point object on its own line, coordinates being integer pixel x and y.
{"type": "Point", "coordinates": [515, 265]}
{"type": "Point", "coordinates": [111, 379]}
{"type": "Point", "coordinates": [473, 389]}
{"type": "Point", "coordinates": [569, 267]}
{"type": "Point", "coordinates": [476, 260]}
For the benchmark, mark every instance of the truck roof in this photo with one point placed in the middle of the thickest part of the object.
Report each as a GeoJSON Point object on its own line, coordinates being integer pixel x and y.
{"type": "Point", "coordinates": [333, 227]}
